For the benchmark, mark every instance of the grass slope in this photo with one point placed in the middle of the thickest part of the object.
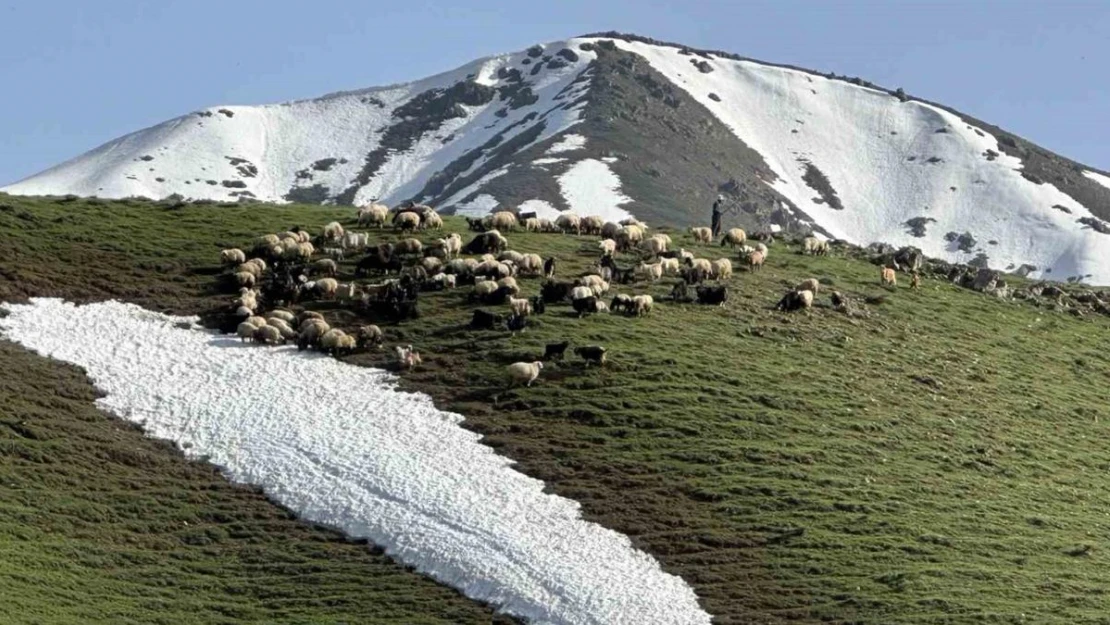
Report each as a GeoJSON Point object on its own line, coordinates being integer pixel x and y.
{"type": "Point", "coordinates": [942, 460]}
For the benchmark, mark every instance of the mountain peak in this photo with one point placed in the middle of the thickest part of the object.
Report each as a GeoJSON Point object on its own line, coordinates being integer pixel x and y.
{"type": "Point", "coordinates": [616, 124]}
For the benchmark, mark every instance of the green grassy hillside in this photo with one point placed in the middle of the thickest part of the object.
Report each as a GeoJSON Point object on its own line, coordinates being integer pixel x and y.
{"type": "Point", "coordinates": [941, 459]}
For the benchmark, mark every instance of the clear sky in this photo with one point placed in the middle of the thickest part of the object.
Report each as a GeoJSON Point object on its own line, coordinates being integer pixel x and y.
{"type": "Point", "coordinates": [76, 73]}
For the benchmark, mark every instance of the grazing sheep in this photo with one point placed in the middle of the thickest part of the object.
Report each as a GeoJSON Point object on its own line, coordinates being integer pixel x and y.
{"type": "Point", "coordinates": [762, 249]}
{"type": "Point", "coordinates": [409, 247]}
{"type": "Point", "coordinates": [523, 372]}
{"type": "Point", "coordinates": [608, 247]}
{"type": "Point", "coordinates": [580, 292]}
{"type": "Point", "coordinates": [591, 224]}
{"type": "Point", "coordinates": [334, 253]}
{"type": "Point", "coordinates": [431, 265]}
{"type": "Point", "coordinates": [284, 315]}
{"type": "Point", "coordinates": [701, 234]}
{"type": "Point", "coordinates": [406, 221]}
{"type": "Point", "coordinates": [655, 245]}
{"type": "Point", "coordinates": [485, 320]}
{"type": "Point", "coordinates": [591, 354]}
{"type": "Point", "coordinates": [452, 244]}
{"type": "Point", "coordinates": [670, 266]}
{"type": "Point", "coordinates": [585, 305]}
{"type": "Point", "coordinates": [814, 246]}
{"type": "Point", "coordinates": [721, 269]}
{"type": "Point", "coordinates": [809, 284]}
{"type": "Point", "coordinates": [244, 278]}
{"type": "Point", "coordinates": [307, 315]}
{"type": "Point", "coordinates": [326, 287]}
{"type": "Point", "coordinates": [610, 230]}
{"type": "Point", "coordinates": [483, 289]}
{"type": "Point", "coordinates": [632, 221]}
{"type": "Point", "coordinates": [325, 267]}
{"type": "Point", "coordinates": [243, 311]}
{"type": "Point", "coordinates": [596, 283]}
{"type": "Point", "coordinates": [795, 300]}
{"type": "Point", "coordinates": [489, 241]}
{"type": "Point", "coordinates": [509, 283]}
{"type": "Point", "coordinates": [521, 307]}
{"type": "Point", "coordinates": [266, 241]}
{"type": "Point", "coordinates": [531, 264]}
{"type": "Point", "coordinates": [887, 277]}
{"type": "Point", "coordinates": [233, 256]}
{"type": "Point", "coordinates": [354, 240]}
{"type": "Point", "coordinates": [330, 340]}
{"type": "Point", "coordinates": [734, 237]}
{"type": "Point", "coordinates": [702, 265]}
{"type": "Point", "coordinates": [503, 220]}
{"type": "Point", "coordinates": [511, 256]}
{"type": "Point", "coordinates": [546, 225]}
{"type": "Point", "coordinates": [345, 344]}
{"type": "Point", "coordinates": [569, 222]}
{"type": "Point", "coordinates": [373, 215]}
{"type": "Point", "coordinates": [755, 260]}
{"type": "Point", "coordinates": [641, 304]}
{"type": "Point", "coordinates": [245, 331]}
{"type": "Point", "coordinates": [287, 332]}
{"type": "Point", "coordinates": [621, 301]}
{"type": "Point", "coordinates": [332, 232]}
{"type": "Point", "coordinates": [629, 237]}
{"type": "Point", "coordinates": [370, 335]}
{"type": "Point", "coordinates": [269, 335]}
{"type": "Point", "coordinates": [531, 224]}
{"type": "Point", "coordinates": [251, 268]}
{"type": "Point", "coordinates": [555, 351]}
{"type": "Point", "coordinates": [650, 271]}
{"type": "Point", "coordinates": [432, 221]}
{"type": "Point", "coordinates": [712, 294]}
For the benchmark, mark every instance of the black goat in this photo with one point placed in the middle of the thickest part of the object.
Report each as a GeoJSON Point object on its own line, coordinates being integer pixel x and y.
{"type": "Point", "coordinates": [554, 292]}
{"type": "Point", "coordinates": [585, 305]}
{"type": "Point", "coordinates": [516, 323]}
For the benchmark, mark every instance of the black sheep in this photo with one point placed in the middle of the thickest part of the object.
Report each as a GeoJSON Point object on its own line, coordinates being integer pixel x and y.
{"type": "Point", "coordinates": [584, 305]}
{"type": "Point", "coordinates": [712, 295]}
{"type": "Point", "coordinates": [591, 354]}
{"type": "Point", "coordinates": [484, 243]}
{"type": "Point", "coordinates": [485, 320]}
{"type": "Point", "coordinates": [555, 351]}
{"type": "Point", "coordinates": [554, 292]}
{"type": "Point", "coordinates": [539, 307]}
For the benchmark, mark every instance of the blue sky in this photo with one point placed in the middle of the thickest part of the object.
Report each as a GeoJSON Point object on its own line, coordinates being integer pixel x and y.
{"type": "Point", "coordinates": [78, 73]}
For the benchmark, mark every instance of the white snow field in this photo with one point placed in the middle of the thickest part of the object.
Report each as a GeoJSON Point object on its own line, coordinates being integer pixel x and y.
{"type": "Point", "coordinates": [1099, 178]}
{"type": "Point", "coordinates": [591, 188]}
{"type": "Point", "coordinates": [341, 447]}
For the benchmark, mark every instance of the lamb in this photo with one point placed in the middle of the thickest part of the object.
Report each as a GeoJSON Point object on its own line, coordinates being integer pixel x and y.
{"type": "Point", "coordinates": [650, 272]}
{"type": "Point", "coordinates": [525, 372]}
{"type": "Point", "coordinates": [268, 334]}
{"type": "Point", "coordinates": [734, 237]}
{"type": "Point", "coordinates": [608, 247]}
{"type": "Point", "coordinates": [233, 256]}
{"type": "Point", "coordinates": [915, 281]}
{"type": "Point", "coordinates": [521, 307]}
{"type": "Point", "coordinates": [887, 277]}
{"type": "Point", "coordinates": [591, 354]}
{"type": "Point", "coordinates": [406, 221]}
{"type": "Point", "coordinates": [721, 269]}
{"type": "Point", "coordinates": [701, 234]}
{"type": "Point", "coordinates": [452, 244]}
{"type": "Point", "coordinates": [641, 304]}
{"type": "Point", "coordinates": [407, 357]}
{"type": "Point", "coordinates": [762, 249]}
{"type": "Point", "coordinates": [569, 222]}
{"type": "Point", "coordinates": [332, 232]}
{"type": "Point", "coordinates": [555, 351]}
{"type": "Point", "coordinates": [814, 246]}
{"type": "Point", "coordinates": [809, 284]}
{"type": "Point", "coordinates": [755, 260]}
{"type": "Point", "coordinates": [373, 215]}
{"type": "Point", "coordinates": [325, 266]}
{"type": "Point", "coordinates": [503, 220]}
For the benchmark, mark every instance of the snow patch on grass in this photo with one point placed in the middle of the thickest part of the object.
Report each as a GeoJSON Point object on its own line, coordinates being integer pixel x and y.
{"type": "Point", "coordinates": [568, 143]}
{"type": "Point", "coordinates": [342, 447]}
{"type": "Point", "coordinates": [591, 188]}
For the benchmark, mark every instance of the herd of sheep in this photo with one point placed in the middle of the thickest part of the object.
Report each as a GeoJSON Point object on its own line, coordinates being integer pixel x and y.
{"type": "Point", "coordinates": [284, 270]}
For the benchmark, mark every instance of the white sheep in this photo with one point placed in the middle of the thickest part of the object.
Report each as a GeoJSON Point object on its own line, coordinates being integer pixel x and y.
{"type": "Point", "coordinates": [546, 225]}
{"type": "Point", "coordinates": [610, 230]}
{"type": "Point", "coordinates": [484, 288]}
{"type": "Point", "coordinates": [721, 269]}
{"type": "Point", "coordinates": [325, 266]}
{"type": "Point", "coordinates": [245, 331]}
{"type": "Point", "coordinates": [333, 231]}
{"type": "Point", "coordinates": [703, 265]}
{"type": "Point", "coordinates": [521, 306]}
{"type": "Point", "coordinates": [531, 264]}
{"type": "Point", "coordinates": [523, 372]}
{"type": "Point", "coordinates": [701, 234]}
{"type": "Point", "coordinates": [432, 221]}
{"type": "Point", "coordinates": [406, 221]}
{"type": "Point", "coordinates": [233, 256]}
{"type": "Point", "coordinates": [268, 334]}
{"type": "Point", "coordinates": [641, 304]}
{"type": "Point", "coordinates": [531, 224]}
{"type": "Point", "coordinates": [670, 266]}
{"type": "Point", "coordinates": [432, 265]}
{"type": "Point", "coordinates": [503, 220]}
{"type": "Point", "coordinates": [447, 280]}
{"type": "Point", "coordinates": [580, 292]}
{"type": "Point", "coordinates": [809, 284]}
{"type": "Point", "coordinates": [734, 237]}
{"type": "Point", "coordinates": [591, 224]}
{"type": "Point", "coordinates": [650, 271]}
{"type": "Point", "coordinates": [608, 247]}
{"type": "Point", "coordinates": [347, 292]}
{"type": "Point", "coordinates": [373, 215]}
{"type": "Point", "coordinates": [569, 222]}
{"type": "Point", "coordinates": [509, 282]}
{"type": "Point", "coordinates": [245, 278]}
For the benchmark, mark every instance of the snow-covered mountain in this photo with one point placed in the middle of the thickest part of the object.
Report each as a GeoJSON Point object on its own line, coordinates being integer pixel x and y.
{"type": "Point", "coordinates": [616, 124]}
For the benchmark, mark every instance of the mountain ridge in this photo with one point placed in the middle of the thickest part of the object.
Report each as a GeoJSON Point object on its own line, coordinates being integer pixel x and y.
{"type": "Point", "coordinates": [652, 129]}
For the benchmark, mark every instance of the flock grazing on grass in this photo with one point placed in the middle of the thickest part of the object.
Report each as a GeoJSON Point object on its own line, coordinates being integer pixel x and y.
{"type": "Point", "coordinates": [281, 272]}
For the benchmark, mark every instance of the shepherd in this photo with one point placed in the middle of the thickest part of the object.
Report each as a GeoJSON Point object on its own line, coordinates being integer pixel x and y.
{"type": "Point", "coordinates": [718, 211]}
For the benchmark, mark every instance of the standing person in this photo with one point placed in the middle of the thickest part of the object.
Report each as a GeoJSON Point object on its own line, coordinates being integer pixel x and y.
{"type": "Point", "coordinates": [718, 210]}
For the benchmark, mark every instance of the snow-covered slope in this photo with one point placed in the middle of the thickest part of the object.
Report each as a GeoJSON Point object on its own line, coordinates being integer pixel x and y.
{"type": "Point", "coordinates": [517, 130]}
{"type": "Point", "coordinates": [345, 449]}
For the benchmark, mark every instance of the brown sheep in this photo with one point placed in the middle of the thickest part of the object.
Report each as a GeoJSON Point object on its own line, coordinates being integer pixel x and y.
{"type": "Point", "coordinates": [887, 277]}
{"type": "Point", "coordinates": [755, 260]}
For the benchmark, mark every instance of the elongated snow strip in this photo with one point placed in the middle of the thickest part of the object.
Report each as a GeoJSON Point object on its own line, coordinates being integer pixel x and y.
{"type": "Point", "coordinates": [342, 447]}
